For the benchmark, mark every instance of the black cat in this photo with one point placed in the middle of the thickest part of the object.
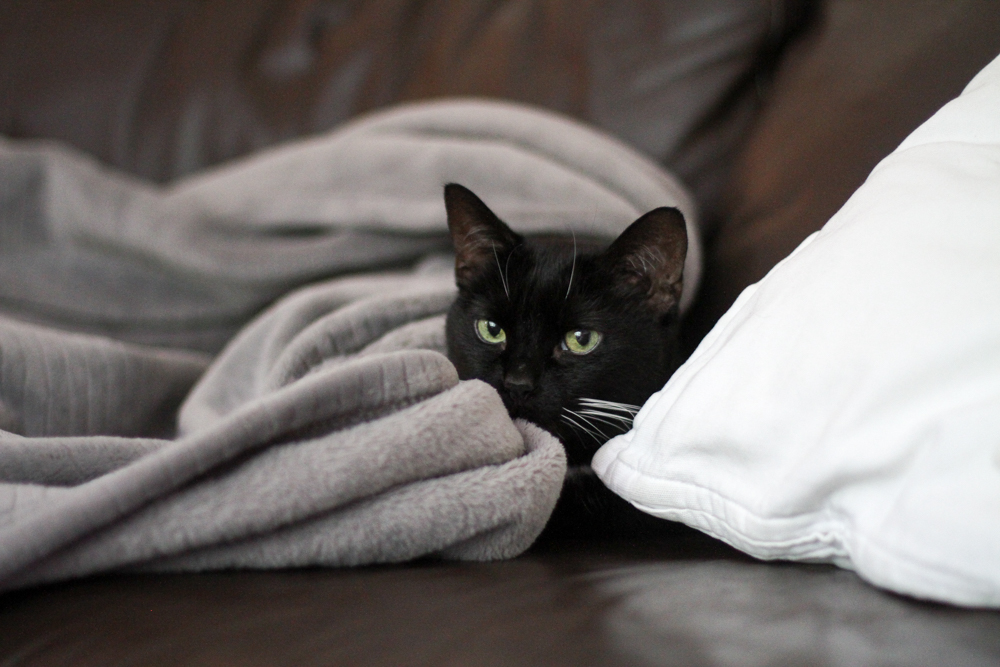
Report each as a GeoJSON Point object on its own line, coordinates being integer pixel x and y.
{"type": "Point", "coordinates": [574, 337]}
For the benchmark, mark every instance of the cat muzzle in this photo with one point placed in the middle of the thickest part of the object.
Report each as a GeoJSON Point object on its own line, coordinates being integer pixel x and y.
{"type": "Point", "coordinates": [518, 384]}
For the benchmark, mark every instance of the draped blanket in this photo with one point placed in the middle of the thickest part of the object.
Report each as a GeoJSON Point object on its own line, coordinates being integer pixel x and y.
{"type": "Point", "coordinates": [246, 368]}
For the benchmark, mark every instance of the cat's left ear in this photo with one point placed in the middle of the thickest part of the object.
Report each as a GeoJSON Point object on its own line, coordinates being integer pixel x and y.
{"type": "Point", "coordinates": [649, 256]}
{"type": "Point", "coordinates": [479, 236]}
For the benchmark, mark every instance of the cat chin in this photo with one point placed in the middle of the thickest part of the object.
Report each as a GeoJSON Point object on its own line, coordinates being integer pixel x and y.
{"type": "Point", "coordinates": [527, 413]}
{"type": "Point", "coordinates": [579, 452]}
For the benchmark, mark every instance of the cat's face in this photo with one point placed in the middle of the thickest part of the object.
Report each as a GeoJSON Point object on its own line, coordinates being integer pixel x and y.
{"type": "Point", "coordinates": [572, 342]}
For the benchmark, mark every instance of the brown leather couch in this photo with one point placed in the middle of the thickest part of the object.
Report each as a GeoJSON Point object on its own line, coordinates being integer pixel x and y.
{"type": "Point", "coordinates": [773, 112]}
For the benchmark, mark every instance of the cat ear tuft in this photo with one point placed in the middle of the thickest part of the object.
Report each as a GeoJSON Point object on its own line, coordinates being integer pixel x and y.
{"type": "Point", "coordinates": [649, 255]}
{"type": "Point", "coordinates": [479, 236]}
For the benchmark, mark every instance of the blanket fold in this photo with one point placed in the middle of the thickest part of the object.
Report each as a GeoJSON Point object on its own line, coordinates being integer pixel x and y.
{"type": "Point", "coordinates": [330, 429]}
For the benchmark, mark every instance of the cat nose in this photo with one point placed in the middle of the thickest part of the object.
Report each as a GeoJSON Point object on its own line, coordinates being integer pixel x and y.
{"type": "Point", "coordinates": [518, 381]}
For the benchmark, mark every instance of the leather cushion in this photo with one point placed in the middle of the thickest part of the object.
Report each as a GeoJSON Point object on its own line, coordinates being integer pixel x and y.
{"type": "Point", "coordinates": [864, 77]}
{"type": "Point", "coordinates": [167, 87]}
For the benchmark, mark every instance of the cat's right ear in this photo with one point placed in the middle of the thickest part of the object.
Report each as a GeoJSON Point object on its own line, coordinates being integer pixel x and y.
{"type": "Point", "coordinates": [649, 256]}
{"type": "Point", "coordinates": [479, 236]}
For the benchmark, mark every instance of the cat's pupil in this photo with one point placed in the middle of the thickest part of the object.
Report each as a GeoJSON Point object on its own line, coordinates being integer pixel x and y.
{"type": "Point", "coordinates": [493, 328]}
{"type": "Point", "coordinates": [582, 337]}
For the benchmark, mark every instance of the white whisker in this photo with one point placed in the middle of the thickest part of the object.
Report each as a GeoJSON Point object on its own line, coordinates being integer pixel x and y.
{"type": "Point", "coordinates": [620, 414]}
{"type": "Point", "coordinates": [574, 423]}
{"type": "Point", "coordinates": [588, 422]}
{"type": "Point", "coordinates": [609, 405]}
{"type": "Point", "coordinates": [506, 270]}
{"type": "Point", "coordinates": [615, 429]}
{"type": "Point", "coordinates": [572, 269]}
{"type": "Point", "coordinates": [605, 416]}
{"type": "Point", "coordinates": [588, 426]}
{"type": "Point", "coordinates": [503, 279]}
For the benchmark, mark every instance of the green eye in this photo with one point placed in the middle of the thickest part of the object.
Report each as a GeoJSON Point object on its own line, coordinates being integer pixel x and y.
{"type": "Point", "coordinates": [490, 332]}
{"type": "Point", "coordinates": [581, 341]}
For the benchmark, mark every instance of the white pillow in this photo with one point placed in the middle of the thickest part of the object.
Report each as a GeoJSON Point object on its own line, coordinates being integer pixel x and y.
{"type": "Point", "coordinates": [847, 407]}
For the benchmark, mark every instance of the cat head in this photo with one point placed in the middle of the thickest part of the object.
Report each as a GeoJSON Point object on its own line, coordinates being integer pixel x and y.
{"type": "Point", "coordinates": [574, 337]}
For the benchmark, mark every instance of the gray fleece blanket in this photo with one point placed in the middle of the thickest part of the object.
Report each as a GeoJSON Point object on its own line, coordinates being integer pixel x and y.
{"type": "Point", "coordinates": [246, 368]}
